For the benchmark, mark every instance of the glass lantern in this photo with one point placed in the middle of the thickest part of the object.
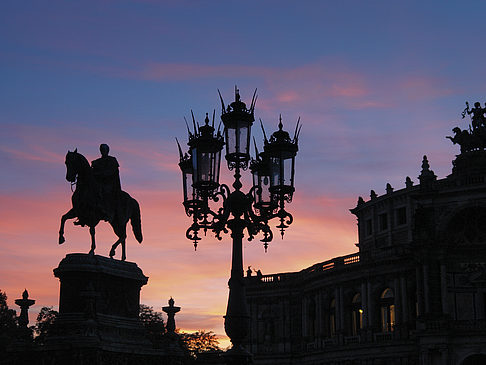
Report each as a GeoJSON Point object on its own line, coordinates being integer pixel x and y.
{"type": "Point", "coordinates": [281, 151]}
{"type": "Point", "coordinates": [237, 120]}
{"type": "Point", "coordinates": [205, 149]}
{"type": "Point", "coordinates": [260, 169]}
{"type": "Point", "coordinates": [191, 197]}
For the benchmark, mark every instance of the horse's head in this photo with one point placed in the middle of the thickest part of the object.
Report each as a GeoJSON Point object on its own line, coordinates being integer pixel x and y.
{"type": "Point", "coordinates": [77, 166]}
{"type": "Point", "coordinates": [71, 165]}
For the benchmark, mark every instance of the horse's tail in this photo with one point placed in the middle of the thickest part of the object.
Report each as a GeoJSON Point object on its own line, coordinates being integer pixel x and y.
{"type": "Point", "coordinates": [136, 221]}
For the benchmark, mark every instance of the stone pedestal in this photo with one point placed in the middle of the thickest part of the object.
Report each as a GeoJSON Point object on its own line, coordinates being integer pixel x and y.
{"type": "Point", "coordinates": [98, 320]}
{"type": "Point", "coordinates": [99, 303]}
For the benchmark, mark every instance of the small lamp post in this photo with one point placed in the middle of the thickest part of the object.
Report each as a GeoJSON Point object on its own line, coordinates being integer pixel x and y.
{"type": "Point", "coordinates": [171, 310]}
{"type": "Point", "coordinates": [273, 185]}
{"type": "Point", "coordinates": [25, 303]}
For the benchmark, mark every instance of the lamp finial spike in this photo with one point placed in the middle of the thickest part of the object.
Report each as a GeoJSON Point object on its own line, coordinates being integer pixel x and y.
{"type": "Point", "coordinates": [180, 149]}
{"type": "Point", "coordinates": [222, 102]}
{"type": "Point", "coordinates": [194, 122]}
{"type": "Point", "coordinates": [263, 129]}
{"type": "Point", "coordinates": [256, 148]}
{"type": "Point", "coordinates": [253, 101]}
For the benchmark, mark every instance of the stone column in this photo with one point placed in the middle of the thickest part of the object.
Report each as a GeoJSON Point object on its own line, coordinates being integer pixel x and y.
{"type": "Point", "coordinates": [426, 288]}
{"type": "Point", "coordinates": [337, 310]}
{"type": "Point", "coordinates": [403, 287]}
{"type": "Point", "coordinates": [319, 317]}
{"type": "Point", "coordinates": [443, 287]}
{"type": "Point", "coordinates": [420, 290]}
{"type": "Point", "coordinates": [371, 305]}
{"type": "Point", "coordinates": [341, 309]}
{"type": "Point", "coordinates": [397, 301]}
{"type": "Point", "coordinates": [364, 304]}
{"type": "Point", "coordinates": [304, 317]}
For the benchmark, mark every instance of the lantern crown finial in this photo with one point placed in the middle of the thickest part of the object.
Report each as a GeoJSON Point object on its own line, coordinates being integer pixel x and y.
{"type": "Point", "coordinates": [280, 136]}
{"type": "Point", "coordinates": [237, 105]}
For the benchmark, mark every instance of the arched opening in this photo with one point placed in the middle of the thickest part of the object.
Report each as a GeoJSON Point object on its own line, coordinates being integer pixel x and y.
{"type": "Point", "coordinates": [387, 305]}
{"type": "Point", "coordinates": [356, 314]}
{"type": "Point", "coordinates": [476, 359]}
{"type": "Point", "coordinates": [332, 318]}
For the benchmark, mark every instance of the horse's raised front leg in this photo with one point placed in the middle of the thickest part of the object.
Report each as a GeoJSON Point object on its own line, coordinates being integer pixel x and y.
{"type": "Point", "coordinates": [69, 215]}
{"type": "Point", "coordinates": [93, 244]}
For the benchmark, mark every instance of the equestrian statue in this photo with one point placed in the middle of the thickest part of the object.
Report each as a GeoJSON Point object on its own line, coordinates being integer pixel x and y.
{"type": "Point", "coordinates": [98, 196]}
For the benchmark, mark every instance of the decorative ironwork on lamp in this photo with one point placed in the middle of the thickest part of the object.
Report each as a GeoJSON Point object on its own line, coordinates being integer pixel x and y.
{"type": "Point", "coordinates": [273, 173]}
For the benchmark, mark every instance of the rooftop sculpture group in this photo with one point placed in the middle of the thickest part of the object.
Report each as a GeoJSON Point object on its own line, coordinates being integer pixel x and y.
{"type": "Point", "coordinates": [98, 196]}
{"type": "Point", "coordinates": [473, 139]}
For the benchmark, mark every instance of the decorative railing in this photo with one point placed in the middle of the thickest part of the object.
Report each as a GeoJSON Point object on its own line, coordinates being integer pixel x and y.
{"type": "Point", "coordinates": [351, 340]}
{"type": "Point", "coordinates": [320, 267]}
{"type": "Point", "coordinates": [331, 341]}
{"type": "Point", "coordinates": [383, 336]}
{"type": "Point", "coordinates": [333, 263]}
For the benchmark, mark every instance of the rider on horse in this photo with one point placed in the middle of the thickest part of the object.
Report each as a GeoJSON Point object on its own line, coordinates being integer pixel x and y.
{"type": "Point", "coordinates": [106, 173]}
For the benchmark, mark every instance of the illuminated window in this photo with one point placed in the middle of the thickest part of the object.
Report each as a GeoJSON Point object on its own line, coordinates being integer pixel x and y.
{"type": "Point", "coordinates": [387, 304]}
{"type": "Point", "coordinates": [357, 314]}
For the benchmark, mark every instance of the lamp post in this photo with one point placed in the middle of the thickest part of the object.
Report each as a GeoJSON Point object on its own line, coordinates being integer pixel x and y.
{"type": "Point", "coordinates": [273, 186]}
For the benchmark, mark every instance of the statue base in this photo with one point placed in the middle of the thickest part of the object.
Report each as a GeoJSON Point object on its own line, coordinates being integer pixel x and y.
{"type": "Point", "coordinates": [98, 320]}
{"type": "Point", "coordinates": [469, 167]}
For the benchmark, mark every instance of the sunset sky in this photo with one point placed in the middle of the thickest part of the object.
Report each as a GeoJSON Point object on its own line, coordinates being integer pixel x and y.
{"type": "Point", "coordinates": [377, 85]}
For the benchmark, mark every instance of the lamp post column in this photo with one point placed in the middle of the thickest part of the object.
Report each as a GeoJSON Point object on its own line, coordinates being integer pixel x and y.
{"type": "Point", "coordinates": [236, 321]}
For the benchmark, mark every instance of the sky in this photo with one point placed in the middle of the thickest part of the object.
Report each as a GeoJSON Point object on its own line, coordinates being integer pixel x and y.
{"type": "Point", "coordinates": [377, 85]}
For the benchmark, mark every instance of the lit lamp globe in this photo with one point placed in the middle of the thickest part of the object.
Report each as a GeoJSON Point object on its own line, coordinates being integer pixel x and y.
{"type": "Point", "coordinates": [237, 120]}
{"type": "Point", "coordinates": [260, 169]}
{"type": "Point", "coordinates": [205, 149]}
{"type": "Point", "coordinates": [191, 197]}
{"type": "Point", "coordinates": [281, 151]}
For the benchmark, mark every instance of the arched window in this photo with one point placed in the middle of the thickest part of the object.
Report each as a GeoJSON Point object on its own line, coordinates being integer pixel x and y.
{"type": "Point", "coordinates": [356, 314]}
{"type": "Point", "coordinates": [387, 304]}
{"type": "Point", "coordinates": [332, 318]}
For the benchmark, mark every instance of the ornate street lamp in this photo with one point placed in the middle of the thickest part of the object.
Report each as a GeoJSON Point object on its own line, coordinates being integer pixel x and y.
{"type": "Point", "coordinates": [273, 185]}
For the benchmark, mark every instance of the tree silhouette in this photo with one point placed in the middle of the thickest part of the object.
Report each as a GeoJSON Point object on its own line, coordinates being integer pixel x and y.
{"type": "Point", "coordinates": [153, 323]}
{"type": "Point", "coordinates": [8, 323]}
{"type": "Point", "coordinates": [199, 342]}
{"type": "Point", "coordinates": [45, 319]}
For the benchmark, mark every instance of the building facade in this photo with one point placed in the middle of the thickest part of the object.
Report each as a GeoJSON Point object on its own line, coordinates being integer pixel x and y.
{"type": "Point", "coordinates": [414, 293]}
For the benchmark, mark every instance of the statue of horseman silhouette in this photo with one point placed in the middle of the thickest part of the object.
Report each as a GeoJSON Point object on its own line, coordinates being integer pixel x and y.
{"type": "Point", "coordinates": [98, 196]}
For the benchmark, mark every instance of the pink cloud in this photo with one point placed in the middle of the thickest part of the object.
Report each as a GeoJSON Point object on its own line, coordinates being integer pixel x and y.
{"type": "Point", "coordinates": [38, 154]}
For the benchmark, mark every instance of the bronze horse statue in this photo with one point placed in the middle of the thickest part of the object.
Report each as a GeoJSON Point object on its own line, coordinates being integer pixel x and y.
{"type": "Point", "coordinates": [88, 205]}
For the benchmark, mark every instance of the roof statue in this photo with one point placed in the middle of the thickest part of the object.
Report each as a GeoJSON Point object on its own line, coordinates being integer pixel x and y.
{"type": "Point", "coordinates": [98, 196]}
{"type": "Point", "coordinates": [473, 139]}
